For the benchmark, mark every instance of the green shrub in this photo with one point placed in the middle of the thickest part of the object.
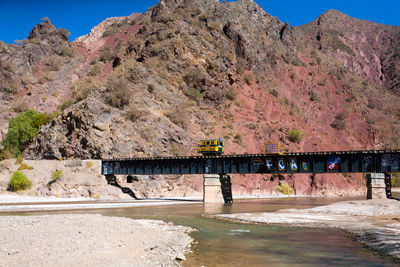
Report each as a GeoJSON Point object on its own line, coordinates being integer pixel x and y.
{"type": "Point", "coordinates": [57, 174]}
{"type": "Point", "coordinates": [19, 181]}
{"type": "Point", "coordinates": [22, 129]}
{"type": "Point", "coordinates": [396, 179]}
{"type": "Point", "coordinates": [24, 166]}
{"type": "Point", "coordinates": [284, 188]}
{"type": "Point", "coordinates": [65, 104]}
{"type": "Point", "coordinates": [295, 135]}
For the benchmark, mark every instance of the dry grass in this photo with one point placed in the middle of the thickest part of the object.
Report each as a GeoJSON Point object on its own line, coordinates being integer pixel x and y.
{"type": "Point", "coordinates": [118, 92]}
{"type": "Point", "coordinates": [179, 116]}
{"type": "Point", "coordinates": [54, 63]}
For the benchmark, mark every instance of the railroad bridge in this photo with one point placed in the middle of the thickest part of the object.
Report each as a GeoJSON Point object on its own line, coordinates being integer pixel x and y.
{"type": "Point", "coordinates": [379, 164]}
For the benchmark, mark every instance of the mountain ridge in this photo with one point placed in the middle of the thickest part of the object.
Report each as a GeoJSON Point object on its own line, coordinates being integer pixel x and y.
{"type": "Point", "coordinates": [155, 83]}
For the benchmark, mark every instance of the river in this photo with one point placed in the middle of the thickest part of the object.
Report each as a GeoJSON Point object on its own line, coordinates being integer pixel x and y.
{"type": "Point", "coordinates": [230, 244]}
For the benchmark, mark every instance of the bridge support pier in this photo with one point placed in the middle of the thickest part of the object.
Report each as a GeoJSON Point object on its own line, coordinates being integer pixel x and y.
{"type": "Point", "coordinates": [217, 188]}
{"type": "Point", "coordinates": [376, 187]}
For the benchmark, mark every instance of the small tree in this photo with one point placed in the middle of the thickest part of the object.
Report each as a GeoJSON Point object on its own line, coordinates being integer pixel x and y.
{"type": "Point", "coordinates": [19, 182]}
{"type": "Point", "coordinates": [22, 129]}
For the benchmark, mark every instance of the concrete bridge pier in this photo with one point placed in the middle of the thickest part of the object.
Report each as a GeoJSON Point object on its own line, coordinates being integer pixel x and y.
{"type": "Point", "coordinates": [379, 185]}
{"type": "Point", "coordinates": [217, 188]}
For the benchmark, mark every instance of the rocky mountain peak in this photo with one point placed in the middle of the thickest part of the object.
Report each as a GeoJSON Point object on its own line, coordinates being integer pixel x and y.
{"type": "Point", "coordinates": [46, 31]}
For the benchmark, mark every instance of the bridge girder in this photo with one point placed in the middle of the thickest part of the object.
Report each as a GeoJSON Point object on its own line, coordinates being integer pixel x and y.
{"type": "Point", "coordinates": [302, 162]}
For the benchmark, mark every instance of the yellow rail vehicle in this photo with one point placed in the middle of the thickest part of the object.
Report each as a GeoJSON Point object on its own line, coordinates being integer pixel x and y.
{"type": "Point", "coordinates": [211, 146]}
{"type": "Point", "coordinates": [273, 148]}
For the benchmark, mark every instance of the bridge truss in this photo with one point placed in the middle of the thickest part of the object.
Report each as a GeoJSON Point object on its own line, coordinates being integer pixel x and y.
{"type": "Point", "coordinates": [370, 161]}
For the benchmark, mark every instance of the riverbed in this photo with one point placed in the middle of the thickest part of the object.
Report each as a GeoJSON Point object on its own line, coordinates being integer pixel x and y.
{"type": "Point", "coordinates": [232, 244]}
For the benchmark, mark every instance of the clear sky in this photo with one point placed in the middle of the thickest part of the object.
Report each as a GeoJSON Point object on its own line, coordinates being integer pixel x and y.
{"type": "Point", "coordinates": [18, 17]}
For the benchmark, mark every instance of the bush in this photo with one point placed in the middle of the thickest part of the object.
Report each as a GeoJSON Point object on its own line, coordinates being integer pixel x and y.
{"type": "Point", "coordinates": [195, 93]}
{"type": "Point", "coordinates": [54, 63]}
{"type": "Point", "coordinates": [295, 135]}
{"type": "Point", "coordinates": [19, 182]}
{"type": "Point", "coordinates": [118, 92]}
{"type": "Point", "coordinates": [65, 104]}
{"type": "Point", "coordinates": [107, 53]}
{"type": "Point", "coordinates": [230, 94]}
{"type": "Point", "coordinates": [274, 92]}
{"type": "Point", "coordinates": [64, 32]}
{"type": "Point", "coordinates": [22, 129]}
{"type": "Point", "coordinates": [284, 188]}
{"type": "Point", "coordinates": [95, 69]}
{"type": "Point", "coordinates": [341, 116]}
{"type": "Point", "coordinates": [179, 116]}
{"type": "Point", "coordinates": [238, 138]}
{"type": "Point", "coordinates": [19, 159]}
{"type": "Point", "coordinates": [24, 166]}
{"type": "Point", "coordinates": [134, 114]}
{"type": "Point", "coordinates": [177, 149]}
{"type": "Point", "coordinates": [314, 96]}
{"type": "Point", "coordinates": [83, 88]}
{"type": "Point", "coordinates": [65, 51]}
{"type": "Point", "coordinates": [57, 174]}
{"type": "Point", "coordinates": [248, 79]}
{"type": "Point", "coordinates": [338, 124]}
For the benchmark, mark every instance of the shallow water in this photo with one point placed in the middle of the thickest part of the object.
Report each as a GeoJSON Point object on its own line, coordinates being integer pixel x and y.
{"type": "Point", "coordinates": [231, 244]}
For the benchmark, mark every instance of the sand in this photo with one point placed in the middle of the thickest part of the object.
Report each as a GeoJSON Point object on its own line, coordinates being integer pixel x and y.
{"type": "Point", "coordinates": [90, 240]}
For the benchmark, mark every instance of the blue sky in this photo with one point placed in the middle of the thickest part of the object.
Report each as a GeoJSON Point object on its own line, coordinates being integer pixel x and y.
{"type": "Point", "coordinates": [18, 17]}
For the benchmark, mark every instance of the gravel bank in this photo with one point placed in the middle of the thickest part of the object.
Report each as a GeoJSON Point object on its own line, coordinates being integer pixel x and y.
{"type": "Point", "coordinates": [375, 223]}
{"type": "Point", "coordinates": [90, 240]}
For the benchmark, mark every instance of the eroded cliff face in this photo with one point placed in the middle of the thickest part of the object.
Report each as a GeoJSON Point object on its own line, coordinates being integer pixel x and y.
{"type": "Point", "coordinates": [369, 49]}
{"type": "Point", "coordinates": [154, 84]}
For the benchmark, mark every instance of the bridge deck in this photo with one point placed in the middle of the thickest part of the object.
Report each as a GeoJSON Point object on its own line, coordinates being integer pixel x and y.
{"type": "Point", "coordinates": [295, 162]}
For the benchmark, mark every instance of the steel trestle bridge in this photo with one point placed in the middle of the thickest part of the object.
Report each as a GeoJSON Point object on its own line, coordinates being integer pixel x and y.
{"type": "Point", "coordinates": [371, 161]}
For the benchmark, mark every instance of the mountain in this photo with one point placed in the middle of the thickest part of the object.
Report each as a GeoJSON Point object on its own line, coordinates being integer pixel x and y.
{"type": "Point", "coordinates": [153, 84]}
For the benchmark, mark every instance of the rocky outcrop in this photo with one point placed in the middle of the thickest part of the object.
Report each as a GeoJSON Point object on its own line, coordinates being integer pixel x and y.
{"type": "Point", "coordinates": [97, 32]}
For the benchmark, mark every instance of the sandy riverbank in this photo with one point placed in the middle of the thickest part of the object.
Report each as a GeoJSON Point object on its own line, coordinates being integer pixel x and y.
{"type": "Point", "coordinates": [375, 223]}
{"type": "Point", "coordinates": [90, 240]}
